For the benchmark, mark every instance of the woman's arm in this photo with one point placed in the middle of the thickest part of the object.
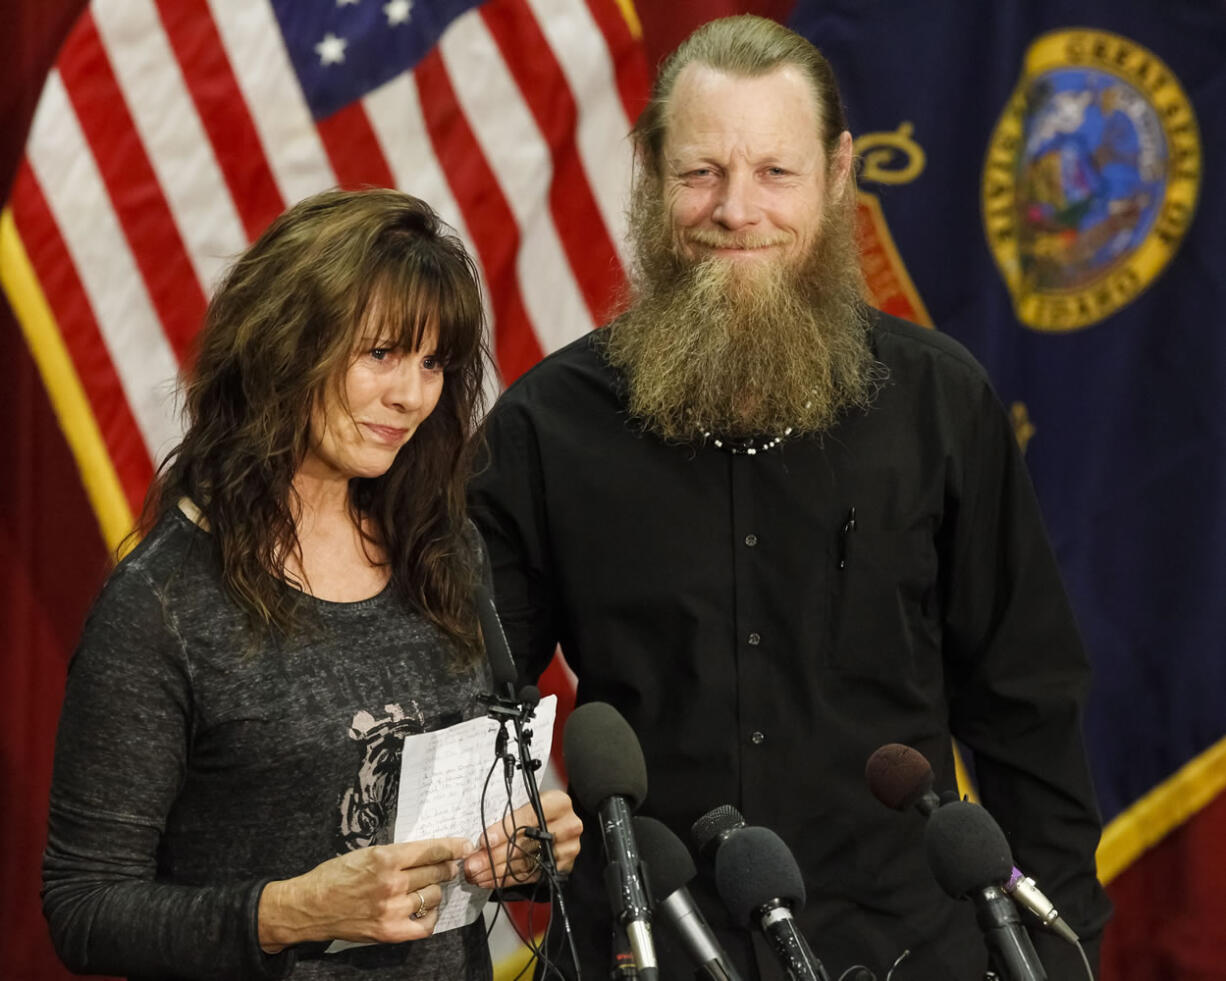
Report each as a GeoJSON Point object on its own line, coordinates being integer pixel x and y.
{"type": "Point", "coordinates": [120, 760]}
{"type": "Point", "coordinates": [122, 756]}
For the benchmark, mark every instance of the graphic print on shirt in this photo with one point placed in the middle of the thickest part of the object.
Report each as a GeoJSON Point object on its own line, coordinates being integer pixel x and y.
{"type": "Point", "coordinates": [368, 808]}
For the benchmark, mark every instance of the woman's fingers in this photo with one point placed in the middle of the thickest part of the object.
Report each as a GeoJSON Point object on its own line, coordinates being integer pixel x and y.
{"type": "Point", "coordinates": [427, 875]}
{"type": "Point", "coordinates": [414, 912]}
{"type": "Point", "coordinates": [495, 864]}
{"type": "Point", "coordinates": [522, 867]}
{"type": "Point", "coordinates": [418, 854]}
{"type": "Point", "coordinates": [422, 902]}
{"type": "Point", "coordinates": [565, 825]}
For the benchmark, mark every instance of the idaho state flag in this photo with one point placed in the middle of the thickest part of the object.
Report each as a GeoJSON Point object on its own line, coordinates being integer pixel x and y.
{"type": "Point", "coordinates": [1051, 174]}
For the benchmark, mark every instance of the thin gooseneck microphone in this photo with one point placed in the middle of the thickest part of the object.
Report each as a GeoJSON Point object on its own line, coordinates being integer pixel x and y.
{"type": "Point", "coordinates": [517, 708]}
{"type": "Point", "coordinates": [901, 777]}
{"type": "Point", "coordinates": [669, 869]}
{"type": "Point", "coordinates": [969, 858]}
{"type": "Point", "coordinates": [609, 776]}
{"type": "Point", "coordinates": [760, 883]}
{"type": "Point", "coordinates": [497, 651]}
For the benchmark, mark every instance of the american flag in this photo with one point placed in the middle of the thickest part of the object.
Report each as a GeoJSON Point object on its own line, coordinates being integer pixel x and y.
{"type": "Point", "coordinates": [171, 132]}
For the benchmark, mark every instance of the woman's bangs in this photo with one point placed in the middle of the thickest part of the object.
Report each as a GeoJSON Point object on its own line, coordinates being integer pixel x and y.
{"type": "Point", "coordinates": [460, 317]}
{"type": "Point", "coordinates": [397, 311]}
{"type": "Point", "coordinates": [414, 299]}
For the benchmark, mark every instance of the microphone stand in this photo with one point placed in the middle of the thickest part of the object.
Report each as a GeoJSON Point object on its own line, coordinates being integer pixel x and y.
{"type": "Point", "coordinates": [519, 710]}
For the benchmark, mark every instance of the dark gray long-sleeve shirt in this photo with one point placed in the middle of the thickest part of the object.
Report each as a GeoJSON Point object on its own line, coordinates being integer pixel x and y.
{"type": "Point", "coordinates": [192, 767]}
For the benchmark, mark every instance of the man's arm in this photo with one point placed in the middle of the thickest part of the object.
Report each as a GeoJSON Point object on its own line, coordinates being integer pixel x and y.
{"type": "Point", "coordinates": [507, 503]}
{"type": "Point", "coordinates": [1017, 675]}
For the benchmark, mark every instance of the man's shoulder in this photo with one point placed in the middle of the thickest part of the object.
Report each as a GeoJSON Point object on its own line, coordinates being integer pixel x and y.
{"type": "Point", "coordinates": [573, 369]}
{"type": "Point", "coordinates": [581, 354]}
{"type": "Point", "coordinates": [900, 343]}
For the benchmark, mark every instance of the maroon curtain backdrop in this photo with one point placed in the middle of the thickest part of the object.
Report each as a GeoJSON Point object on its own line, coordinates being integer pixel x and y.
{"type": "Point", "coordinates": [52, 558]}
{"type": "Point", "coordinates": [52, 561]}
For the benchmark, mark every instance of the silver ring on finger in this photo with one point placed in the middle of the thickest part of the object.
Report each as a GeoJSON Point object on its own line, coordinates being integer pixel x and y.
{"type": "Point", "coordinates": [421, 907]}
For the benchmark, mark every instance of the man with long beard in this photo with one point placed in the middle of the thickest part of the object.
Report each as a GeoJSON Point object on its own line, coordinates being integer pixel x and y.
{"type": "Point", "coordinates": [777, 530]}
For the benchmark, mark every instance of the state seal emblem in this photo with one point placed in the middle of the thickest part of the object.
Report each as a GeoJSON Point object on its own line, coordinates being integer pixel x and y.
{"type": "Point", "coordinates": [1091, 178]}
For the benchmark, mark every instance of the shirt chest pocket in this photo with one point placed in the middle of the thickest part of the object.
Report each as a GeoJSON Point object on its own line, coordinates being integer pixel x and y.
{"type": "Point", "coordinates": [885, 618]}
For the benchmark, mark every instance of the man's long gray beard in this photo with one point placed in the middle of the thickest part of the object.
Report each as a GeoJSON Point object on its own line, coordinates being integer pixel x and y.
{"type": "Point", "coordinates": [743, 349]}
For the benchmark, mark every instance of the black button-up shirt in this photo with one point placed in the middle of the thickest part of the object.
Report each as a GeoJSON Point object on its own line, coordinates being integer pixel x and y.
{"type": "Point", "coordinates": [764, 622]}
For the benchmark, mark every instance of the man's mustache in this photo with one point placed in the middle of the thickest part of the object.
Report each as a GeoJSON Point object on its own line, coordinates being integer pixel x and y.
{"type": "Point", "coordinates": [723, 240]}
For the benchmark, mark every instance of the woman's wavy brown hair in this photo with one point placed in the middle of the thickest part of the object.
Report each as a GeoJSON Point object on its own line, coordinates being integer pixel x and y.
{"type": "Point", "coordinates": [279, 333]}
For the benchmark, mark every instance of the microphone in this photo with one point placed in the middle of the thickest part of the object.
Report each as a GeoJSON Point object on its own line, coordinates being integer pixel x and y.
{"type": "Point", "coordinates": [760, 883]}
{"type": "Point", "coordinates": [669, 867]}
{"type": "Point", "coordinates": [530, 696]}
{"type": "Point", "coordinates": [901, 777]}
{"type": "Point", "coordinates": [714, 828]}
{"type": "Point", "coordinates": [609, 776]}
{"type": "Point", "coordinates": [517, 707]}
{"type": "Point", "coordinates": [969, 856]}
{"type": "Point", "coordinates": [497, 651]}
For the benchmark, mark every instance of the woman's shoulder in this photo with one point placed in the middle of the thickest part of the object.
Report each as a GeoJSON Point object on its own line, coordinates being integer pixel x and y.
{"type": "Point", "coordinates": [174, 539]}
{"type": "Point", "coordinates": [175, 553]}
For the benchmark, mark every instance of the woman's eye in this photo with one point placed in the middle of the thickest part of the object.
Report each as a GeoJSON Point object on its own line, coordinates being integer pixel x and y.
{"type": "Point", "coordinates": [384, 353]}
{"type": "Point", "coordinates": [432, 363]}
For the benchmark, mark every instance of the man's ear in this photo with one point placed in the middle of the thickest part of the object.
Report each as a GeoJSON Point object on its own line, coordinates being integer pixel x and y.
{"type": "Point", "coordinates": [840, 169]}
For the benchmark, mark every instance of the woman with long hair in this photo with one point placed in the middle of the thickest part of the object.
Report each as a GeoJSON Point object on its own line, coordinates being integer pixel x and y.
{"type": "Point", "coordinates": [228, 756]}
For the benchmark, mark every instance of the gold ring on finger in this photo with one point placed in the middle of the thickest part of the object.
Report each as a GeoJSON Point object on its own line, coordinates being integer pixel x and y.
{"type": "Point", "coordinates": [421, 907]}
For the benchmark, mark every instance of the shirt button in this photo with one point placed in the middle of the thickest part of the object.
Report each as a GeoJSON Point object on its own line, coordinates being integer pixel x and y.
{"type": "Point", "coordinates": [757, 738]}
{"type": "Point", "coordinates": [751, 540]}
{"type": "Point", "coordinates": [754, 640]}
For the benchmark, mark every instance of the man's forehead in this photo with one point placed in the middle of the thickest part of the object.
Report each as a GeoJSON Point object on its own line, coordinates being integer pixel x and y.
{"type": "Point", "coordinates": [777, 109]}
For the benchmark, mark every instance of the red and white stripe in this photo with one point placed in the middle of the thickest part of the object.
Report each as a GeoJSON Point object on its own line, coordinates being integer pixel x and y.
{"type": "Point", "coordinates": [172, 131]}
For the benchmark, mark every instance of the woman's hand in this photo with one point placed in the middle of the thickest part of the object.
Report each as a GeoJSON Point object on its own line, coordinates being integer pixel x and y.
{"type": "Point", "coordinates": [519, 862]}
{"type": "Point", "coordinates": [380, 894]}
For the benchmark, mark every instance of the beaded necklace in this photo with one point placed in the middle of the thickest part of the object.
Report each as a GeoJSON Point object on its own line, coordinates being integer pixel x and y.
{"type": "Point", "coordinates": [747, 446]}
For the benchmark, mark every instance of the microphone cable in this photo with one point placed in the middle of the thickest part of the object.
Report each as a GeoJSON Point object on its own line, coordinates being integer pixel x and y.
{"type": "Point", "coordinates": [548, 873]}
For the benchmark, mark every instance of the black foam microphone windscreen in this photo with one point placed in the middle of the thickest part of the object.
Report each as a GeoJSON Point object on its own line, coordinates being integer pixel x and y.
{"type": "Point", "coordinates": [754, 867]}
{"type": "Point", "coordinates": [609, 776]}
{"type": "Point", "coordinates": [603, 756]}
{"type": "Point", "coordinates": [668, 862]}
{"type": "Point", "coordinates": [966, 849]}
